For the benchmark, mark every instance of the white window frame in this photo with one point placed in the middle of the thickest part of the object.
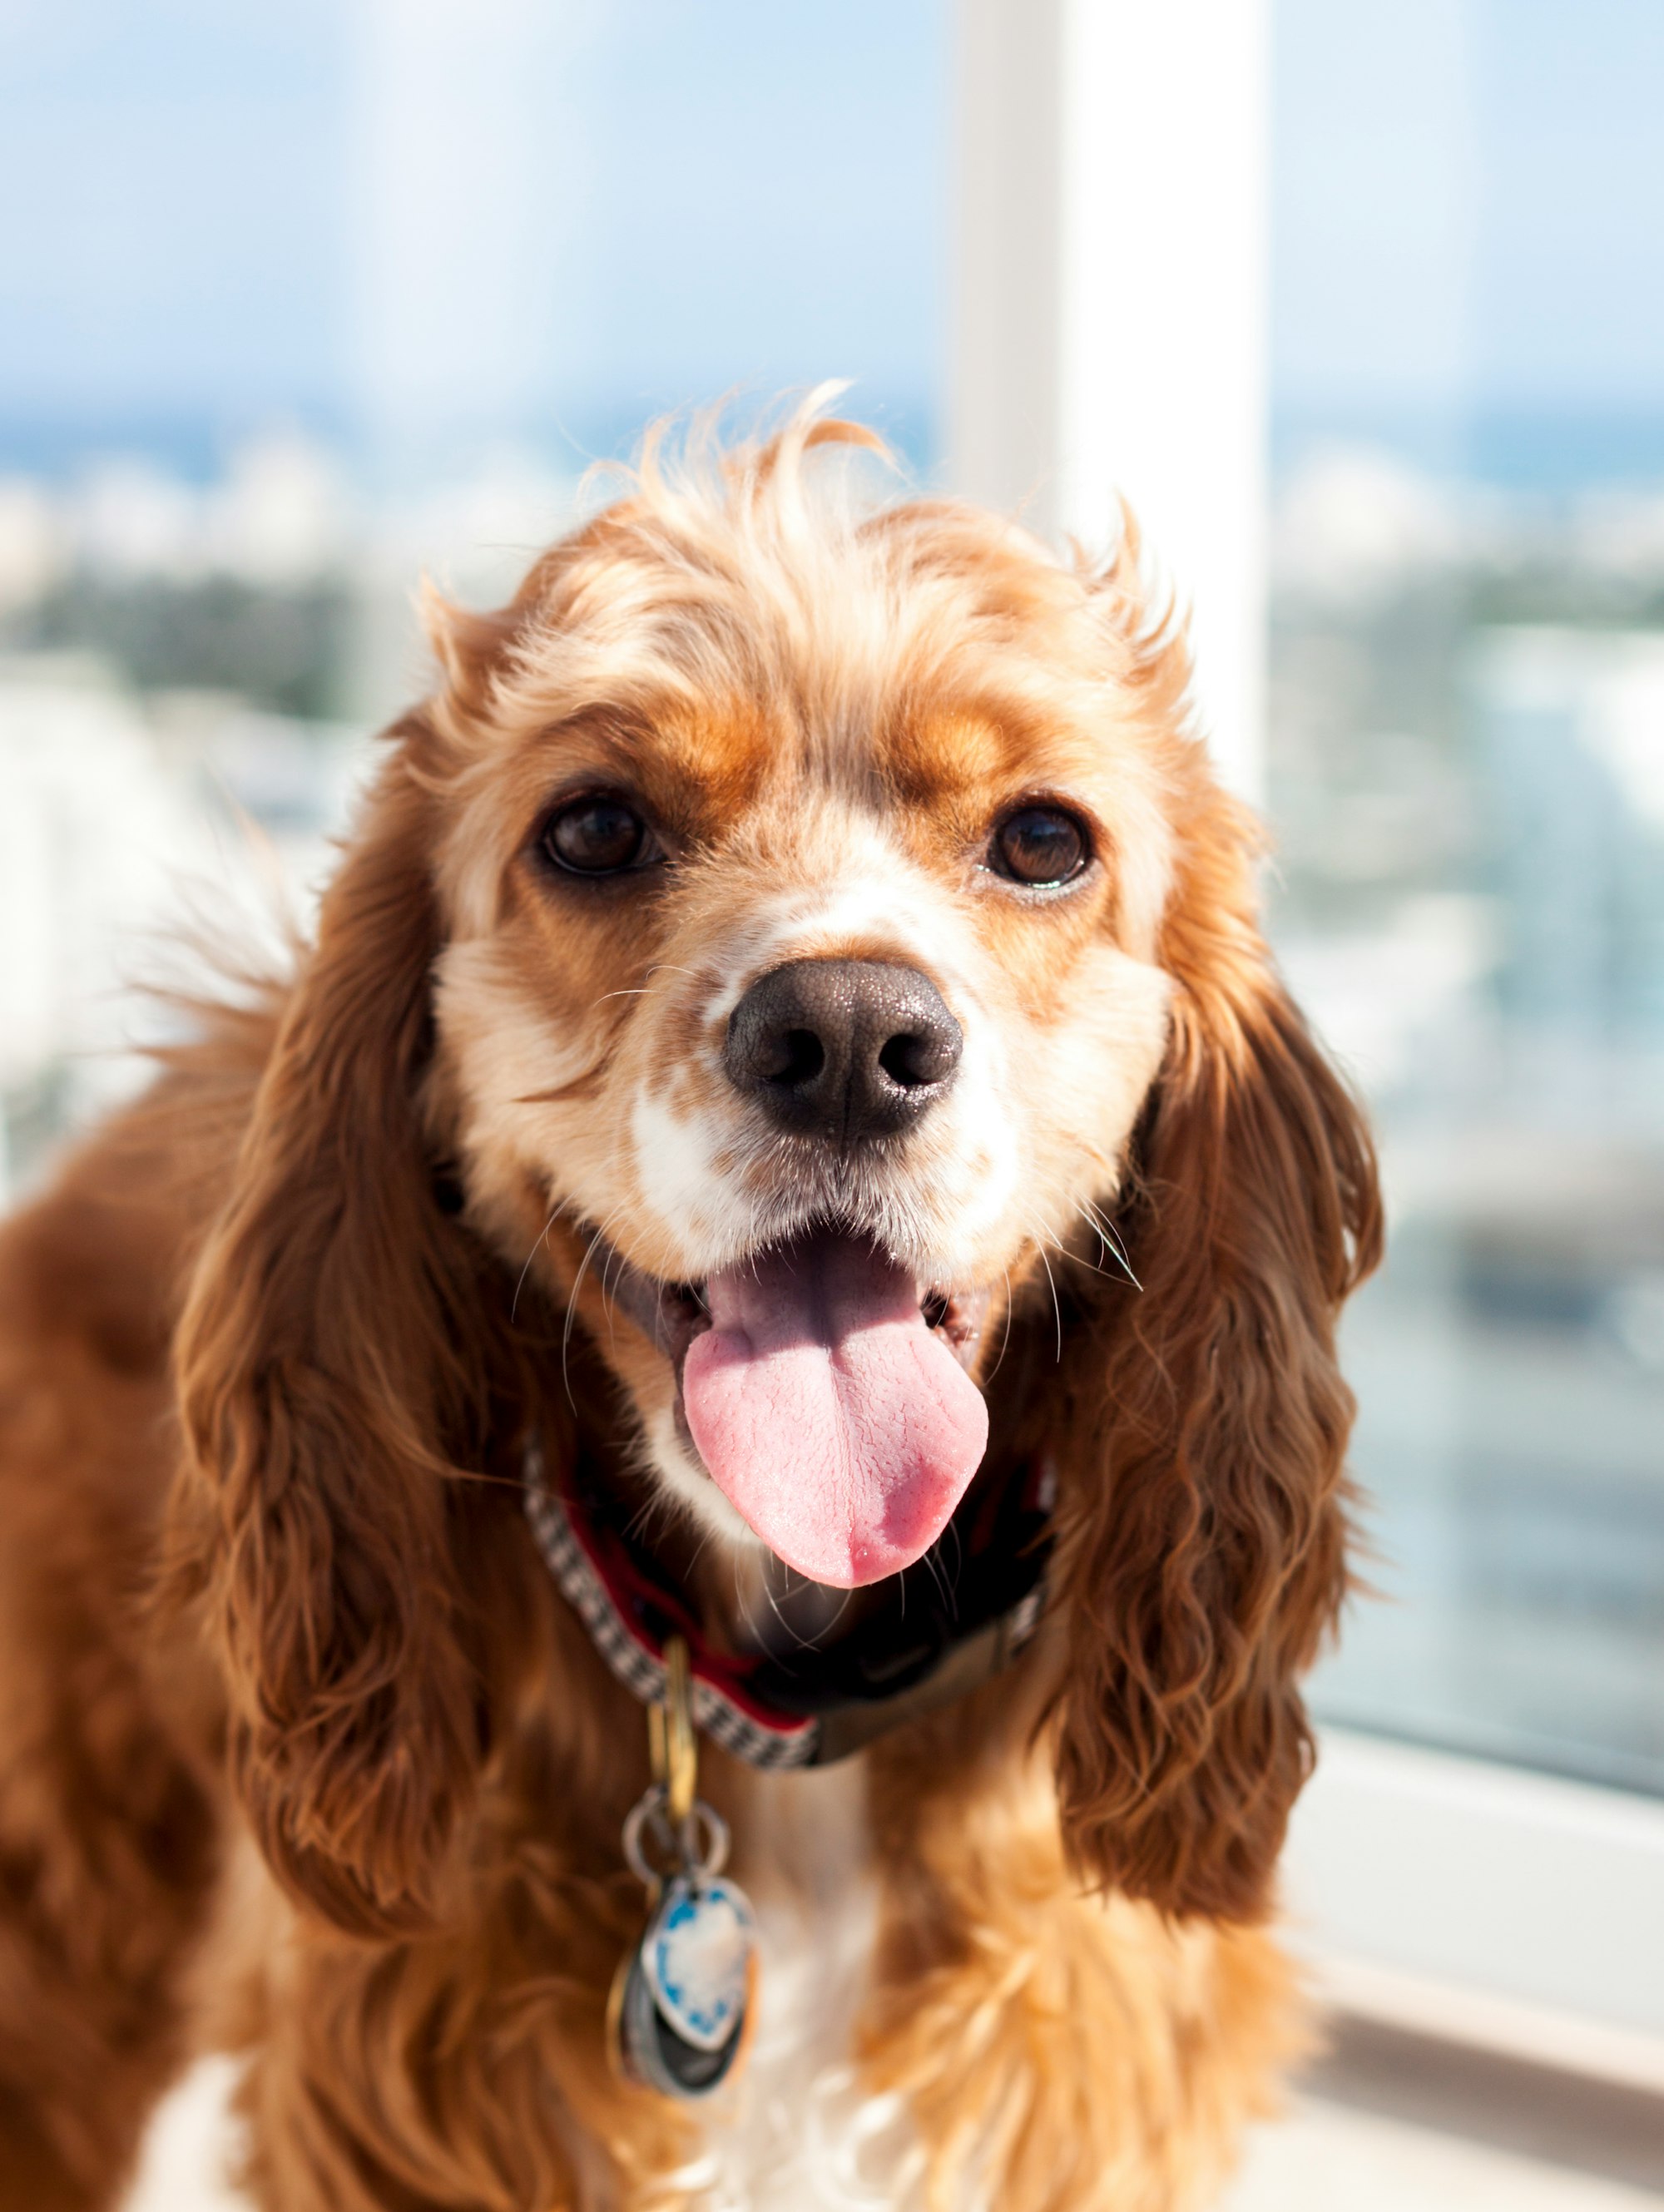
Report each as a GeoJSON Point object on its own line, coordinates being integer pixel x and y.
{"type": "Point", "coordinates": [1109, 300]}
{"type": "Point", "coordinates": [1109, 325]}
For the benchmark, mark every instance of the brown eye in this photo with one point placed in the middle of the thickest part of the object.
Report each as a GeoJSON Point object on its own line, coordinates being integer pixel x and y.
{"type": "Point", "coordinates": [1039, 845]}
{"type": "Point", "coordinates": [597, 837]}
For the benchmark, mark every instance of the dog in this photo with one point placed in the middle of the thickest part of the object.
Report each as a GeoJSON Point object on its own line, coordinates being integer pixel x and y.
{"type": "Point", "coordinates": [783, 1224]}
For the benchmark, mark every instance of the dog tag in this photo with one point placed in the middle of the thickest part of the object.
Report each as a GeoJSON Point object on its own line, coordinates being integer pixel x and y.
{"type": "Point", "coordinates": [682, 1999]}
{"type": "Point", "coordinates": [687, 1999]}
{"type": "Point", "coordinates": [697, 1957]}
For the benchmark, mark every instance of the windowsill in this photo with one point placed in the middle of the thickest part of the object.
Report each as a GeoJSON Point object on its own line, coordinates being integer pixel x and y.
{"type": "Point", "coordinates": [1528, 2110]}
{"type": "Point", "coordinates": [1496, 1908]}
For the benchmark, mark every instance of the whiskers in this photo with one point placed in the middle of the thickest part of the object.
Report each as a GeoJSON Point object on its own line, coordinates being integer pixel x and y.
{"type": "Point", "coordinates": [1110, 1247]}
{"type": "Point", "coordinates": [946, 1582]}
{"type": "Point", "coordinates": [590, 1251]}
{"type": "Point", "coordinates": [542, 1239]}
{"type": "Point", "coordinates": [643, 990]}
{"type": "Point", "coordinates": [1042, 1238]}
{"type": "Point", "coordinates": [794, 1636]}
{"type": "Point", "coordinates": [1109, 1239]}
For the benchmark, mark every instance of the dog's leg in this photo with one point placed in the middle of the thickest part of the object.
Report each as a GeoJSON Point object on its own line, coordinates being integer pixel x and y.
{"type": "Point", "coordinates": [1061, 2052]}
{"type": "Point", "coordinates": [106, 1858]}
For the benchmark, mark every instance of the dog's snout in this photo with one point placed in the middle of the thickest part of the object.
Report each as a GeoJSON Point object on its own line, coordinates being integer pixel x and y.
{"type": "Point", "coordinates": [843, 1048]}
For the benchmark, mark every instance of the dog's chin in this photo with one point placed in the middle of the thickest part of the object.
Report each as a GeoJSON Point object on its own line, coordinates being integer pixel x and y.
{"type": "Point", "coordinates": [817, 1264]}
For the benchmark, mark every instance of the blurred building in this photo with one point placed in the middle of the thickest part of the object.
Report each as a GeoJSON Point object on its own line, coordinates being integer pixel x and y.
{"type": "Point", "coordinates": [141, 842]}
{"type": "Point", "coordinates": [1573, 746]}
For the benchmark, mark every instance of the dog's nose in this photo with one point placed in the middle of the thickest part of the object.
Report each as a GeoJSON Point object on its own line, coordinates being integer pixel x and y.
{"type": "Point", "coordinates": [843, 1048]}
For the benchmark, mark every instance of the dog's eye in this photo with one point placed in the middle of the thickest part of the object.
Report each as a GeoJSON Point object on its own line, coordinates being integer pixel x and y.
{"type": "Point", "coordinates": [1039, 845]}
{"type": "Point", "coordinates": [597, 837]}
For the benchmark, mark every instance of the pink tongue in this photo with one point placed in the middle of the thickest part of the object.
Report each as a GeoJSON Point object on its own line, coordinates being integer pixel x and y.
{"type": "Point", "coordinates": [827, 1413]}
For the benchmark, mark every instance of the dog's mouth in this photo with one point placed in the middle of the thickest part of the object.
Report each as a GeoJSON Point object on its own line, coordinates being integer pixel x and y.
{"type": "Point", "coordinates": [828, 1394]}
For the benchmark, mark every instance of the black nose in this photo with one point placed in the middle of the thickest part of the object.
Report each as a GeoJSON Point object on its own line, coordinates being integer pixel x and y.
{"type": "Point", "coordinates": [843, 1048]}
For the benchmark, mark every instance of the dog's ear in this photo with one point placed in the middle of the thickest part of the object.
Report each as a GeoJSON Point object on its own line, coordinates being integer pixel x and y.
{"type": "Point", "coordinates": [331, 1375]}
{"type": "Point", "coordinates": [1203, 1513]}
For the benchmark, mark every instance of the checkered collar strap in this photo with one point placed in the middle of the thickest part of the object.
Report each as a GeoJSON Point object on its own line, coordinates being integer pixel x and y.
{"type": "Point", "coordinates": [745, 1730]}
{"type": "Point", "coordinates": [915, 1649]}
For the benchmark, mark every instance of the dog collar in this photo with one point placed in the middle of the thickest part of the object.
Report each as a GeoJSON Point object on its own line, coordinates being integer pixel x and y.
{"type": "Point", "coordinates": [923, 1640]}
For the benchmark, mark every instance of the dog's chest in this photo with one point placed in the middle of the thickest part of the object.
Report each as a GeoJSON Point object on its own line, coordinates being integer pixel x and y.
{"type": "Point", "coordinates": [797, 2132]}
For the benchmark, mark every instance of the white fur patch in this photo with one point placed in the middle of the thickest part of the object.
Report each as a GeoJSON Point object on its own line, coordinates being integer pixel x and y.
{"type": "Point", "coordinates": [797, 2134]}
{"type": "Point", "coordinates": [192, 2145]}
{"type": "Point", "coordinates": [677, 1173]}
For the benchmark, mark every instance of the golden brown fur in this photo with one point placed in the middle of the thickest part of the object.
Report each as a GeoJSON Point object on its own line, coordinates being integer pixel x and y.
{"type": "Point", "coordinates": [301, 1748]}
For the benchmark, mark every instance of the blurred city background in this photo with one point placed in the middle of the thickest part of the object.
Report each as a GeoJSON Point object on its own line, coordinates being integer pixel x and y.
{"type": "Point", "coordinates": [296, 303]}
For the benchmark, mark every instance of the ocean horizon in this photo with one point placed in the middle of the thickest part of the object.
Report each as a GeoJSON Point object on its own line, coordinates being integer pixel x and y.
{"type": "Point", "coordinates": [1539, 452]}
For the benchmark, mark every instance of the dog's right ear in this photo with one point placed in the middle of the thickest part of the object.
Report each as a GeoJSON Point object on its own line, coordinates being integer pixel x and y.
{"type": "Point", "coordinates": [1204, 1506]}
{"type": "Point", "coordinates": [332, 1374]}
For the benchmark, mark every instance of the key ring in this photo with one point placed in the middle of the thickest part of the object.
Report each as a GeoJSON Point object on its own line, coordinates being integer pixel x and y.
{"type": "Point", "coordinates": [684, 1849]}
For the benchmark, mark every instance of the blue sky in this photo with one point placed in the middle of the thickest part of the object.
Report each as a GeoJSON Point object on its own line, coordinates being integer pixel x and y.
{"type": "Point", "coordinates": [573, 211]}
{"type": "Point", "coordinates": [170, 174]}
{"type": "Point", "coordinates": [1469, 204]}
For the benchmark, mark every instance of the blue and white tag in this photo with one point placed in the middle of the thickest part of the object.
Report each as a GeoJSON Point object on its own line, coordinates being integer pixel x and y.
{"type": "Point", "coordinates": [687, 1996]}
{"type": "Point", "coordinates": [698, 1959]}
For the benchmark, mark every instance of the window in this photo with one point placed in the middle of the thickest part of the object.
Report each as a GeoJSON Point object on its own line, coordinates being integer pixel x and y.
{"type": "Point", "coordinates": [309, 301]}
{"type": "Point", "coordinates": [1466, 764]}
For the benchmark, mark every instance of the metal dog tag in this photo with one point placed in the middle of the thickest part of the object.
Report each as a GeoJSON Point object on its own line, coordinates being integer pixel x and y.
{"type": "Point", "coordinates": [683, 1999]}
{"type": "Point", "coordinates": [688, 1995]}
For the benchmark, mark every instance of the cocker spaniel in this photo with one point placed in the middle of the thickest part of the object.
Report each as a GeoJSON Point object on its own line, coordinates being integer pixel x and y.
{"type": "Point", "coordinates": [770, 1278]}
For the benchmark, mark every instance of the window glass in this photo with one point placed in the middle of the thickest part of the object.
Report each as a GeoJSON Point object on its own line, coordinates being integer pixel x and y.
{"type": "Point", "coordinates": [1466, 773]}
{"type": "Point", "coordinates": [295, 302]}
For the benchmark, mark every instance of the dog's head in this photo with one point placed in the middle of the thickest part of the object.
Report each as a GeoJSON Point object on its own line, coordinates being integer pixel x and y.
{"type": "Point", "coordinates": [803, 880]}
{"type": "Point", "coordinates": [816, 943]}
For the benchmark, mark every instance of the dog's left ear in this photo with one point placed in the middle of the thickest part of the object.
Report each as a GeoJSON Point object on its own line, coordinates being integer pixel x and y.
{"type": "Point", "coordinates": [332, 1376]}
{"type": "Point", "coordinates": [1204, 1424]}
